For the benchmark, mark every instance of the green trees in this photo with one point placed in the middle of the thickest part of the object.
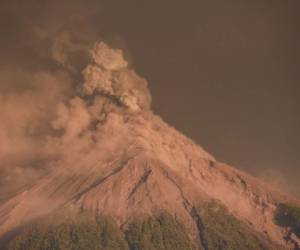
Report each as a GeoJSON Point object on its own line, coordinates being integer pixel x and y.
{"type": "Point", "coordinates": [163, 233]}
{"type": "Point", "coordinates": [99, 234]}
{"type": "Point", "coordinates": [220, 230]}
{"type": "Point", "coordinates": [288, 215]}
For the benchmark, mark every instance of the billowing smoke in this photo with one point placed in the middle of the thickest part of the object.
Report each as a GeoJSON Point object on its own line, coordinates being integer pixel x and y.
{"type": "Point", "coordinates": [56, 110]}
{"type": "Point", "coordinates": [53, 91]}
{"type": "Point", "coordinates": [108, 75]}
{"type": "Point", "coordinates": [27, 105]}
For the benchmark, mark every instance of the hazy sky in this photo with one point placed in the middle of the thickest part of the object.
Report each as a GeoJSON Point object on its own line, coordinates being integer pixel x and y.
{"type": "Point", "coordinates": [225, 73]}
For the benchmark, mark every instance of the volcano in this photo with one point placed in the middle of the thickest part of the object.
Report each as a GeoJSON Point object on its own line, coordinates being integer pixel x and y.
{"type": "Point", "coordinates": [111, 156]}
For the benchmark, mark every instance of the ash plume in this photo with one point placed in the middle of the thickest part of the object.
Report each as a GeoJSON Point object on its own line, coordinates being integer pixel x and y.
{"type": "Point", "coordinates": [108, 74]}
{"type": "Point", "coordinates": [41, 121]}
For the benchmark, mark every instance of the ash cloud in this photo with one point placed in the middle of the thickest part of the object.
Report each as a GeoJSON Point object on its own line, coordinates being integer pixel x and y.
{"type": "Point", "coordinates": [279, 179]}
{"type": "Point", "coordinates": [50, 96]}
{"type": "Point", "coordinates": [108, 74]}
{"type": "Point", "coordinates": [53, 40]}
{"type": "Point", "coordinates": [50, 116]}
{"type": "Point", "coordinates": [25, 114]}
{"type": "Point", "coordinates": [27, 105]}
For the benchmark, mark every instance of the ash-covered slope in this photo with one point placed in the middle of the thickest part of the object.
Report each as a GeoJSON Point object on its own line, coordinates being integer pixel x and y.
{"type": "Point", "coordinates": [112, 156]}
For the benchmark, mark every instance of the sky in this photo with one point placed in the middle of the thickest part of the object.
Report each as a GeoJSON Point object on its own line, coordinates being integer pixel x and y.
{"type": "Point", "coordinates": [225, 73]}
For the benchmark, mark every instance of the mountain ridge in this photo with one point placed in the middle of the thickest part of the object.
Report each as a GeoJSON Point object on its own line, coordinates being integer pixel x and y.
{"type": "Point", "coordinates": [114, 157]}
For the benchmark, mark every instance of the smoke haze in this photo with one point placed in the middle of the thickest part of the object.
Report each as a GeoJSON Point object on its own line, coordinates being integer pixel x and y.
{"type": "Point", "coordinates": [224, 74]}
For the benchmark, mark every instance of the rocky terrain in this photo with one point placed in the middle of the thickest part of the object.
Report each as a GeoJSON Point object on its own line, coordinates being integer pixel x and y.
{"type": "Point", "coordinates": [112, 157]}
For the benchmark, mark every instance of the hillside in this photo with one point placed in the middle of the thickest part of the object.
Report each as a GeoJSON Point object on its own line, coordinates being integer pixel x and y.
{"type": "Point", "coordinates": [115, 159]}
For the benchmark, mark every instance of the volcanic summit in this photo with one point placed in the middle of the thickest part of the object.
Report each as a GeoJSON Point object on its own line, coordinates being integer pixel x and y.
{"type": "Point", "coordinates": [110, 155]}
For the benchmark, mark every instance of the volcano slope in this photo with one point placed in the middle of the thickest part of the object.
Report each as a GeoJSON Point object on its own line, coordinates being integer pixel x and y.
{"type": "Point", "coordinates": [119, 177]}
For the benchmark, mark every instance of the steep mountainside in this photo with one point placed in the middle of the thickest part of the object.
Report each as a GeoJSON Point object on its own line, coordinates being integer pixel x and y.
{"type": "Point", "coordinates": [117, 159]}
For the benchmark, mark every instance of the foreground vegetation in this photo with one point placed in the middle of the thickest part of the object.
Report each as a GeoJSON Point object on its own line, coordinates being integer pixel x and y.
{"type": "Point", "coordinates": [218, 230]}
{"type": "Point", "coordinates": [103, 234]}
{"type": "Point", "coordinates": [288, 215]}
{"type": "Point", "coordinates": [158, 234]}
{"type": "Point", "coordinates": [84, 235]}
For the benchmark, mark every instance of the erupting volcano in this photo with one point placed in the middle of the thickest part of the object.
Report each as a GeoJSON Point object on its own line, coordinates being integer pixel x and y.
{"type": "Point", "coordinates": [109, 155]}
